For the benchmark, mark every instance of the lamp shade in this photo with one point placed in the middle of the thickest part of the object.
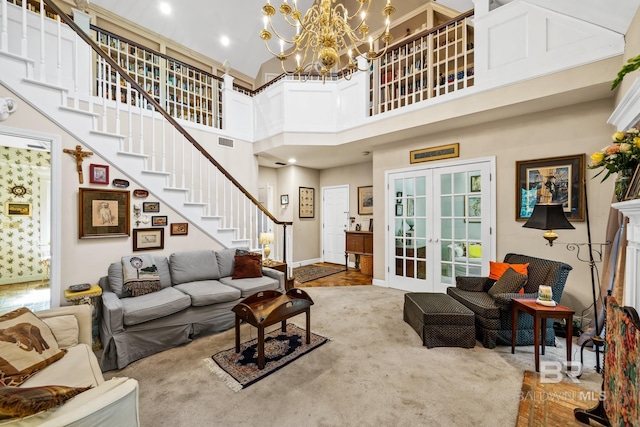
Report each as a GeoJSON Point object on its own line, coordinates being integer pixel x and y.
{"type": "Point", "coordinates": [266, 238]}
{"type": "Point", "coordinates": [548, 217]}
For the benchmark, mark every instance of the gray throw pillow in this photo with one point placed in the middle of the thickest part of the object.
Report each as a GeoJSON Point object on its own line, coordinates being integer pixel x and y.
{"type": "Point", "coordinates": [510, 282]}
{"type": "Point", "coordinates": [225, 259]}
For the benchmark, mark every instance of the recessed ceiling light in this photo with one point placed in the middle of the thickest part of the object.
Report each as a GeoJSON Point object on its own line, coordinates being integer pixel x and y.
{"type": "Point", "coordinates": [292, 160]}
{"type": "Point", "coordinates": [224, 41]}
{"type": "Point", "coordinates": [165, 8]}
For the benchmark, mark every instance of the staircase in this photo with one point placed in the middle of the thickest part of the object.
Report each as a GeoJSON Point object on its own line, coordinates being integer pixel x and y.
{"type": "Point", "coordinates": [51, 66]}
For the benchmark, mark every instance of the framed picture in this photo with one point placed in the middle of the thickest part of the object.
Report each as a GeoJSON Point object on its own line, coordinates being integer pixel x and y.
{"type": "Point", "coordinates": [474, 207]}
{"type": "Point", "coordinates": [148, 238]}
{"type": "Point", "coordinates": [365, 200]}
{"type": "Point", "coordinates": [284, 199]}
{"type": "Point", "coordinates": [306, 203]}
{"type": "Point", "coordinates": [475, 183]}
{"type": "Point", "coordinates": [399, 209]}
{"type": "Point", "coordinates": [17, 209]}
{"type": "Point", "coordinates": [551, 180]}
{"type": "Point", "coordinates": [98, 174]}
{"type": "Point", "coordinates": [150, 206]}
{"type": "Point", "coordinates": [103, 213]}
{"type": "Point", "coordinates": [371, 224]}
{"type": "Point", "coordinates": [159, 221]}
{"type": "Point", "coordinates": [435, 153]}
{"type": "Point", "coordinates": [633, 192]}
{"type": "Point", "coordinates": [179, 228]}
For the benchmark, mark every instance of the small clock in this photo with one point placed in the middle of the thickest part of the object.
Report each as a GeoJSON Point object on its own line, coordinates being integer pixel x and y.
{"type": "Point", "coordinates": [18, 190]}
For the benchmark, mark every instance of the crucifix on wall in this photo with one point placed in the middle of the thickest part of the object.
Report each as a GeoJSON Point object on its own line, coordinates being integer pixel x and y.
{"type": "Point", "coordinates": [79, 155]}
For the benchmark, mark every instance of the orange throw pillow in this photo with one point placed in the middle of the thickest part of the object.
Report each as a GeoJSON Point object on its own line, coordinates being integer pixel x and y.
{"type": "Point", "coordinates": [497, 269]}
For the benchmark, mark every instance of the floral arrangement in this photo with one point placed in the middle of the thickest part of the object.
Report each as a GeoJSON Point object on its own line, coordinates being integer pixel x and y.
{"type": "Point", "coordinates": [620, 157]}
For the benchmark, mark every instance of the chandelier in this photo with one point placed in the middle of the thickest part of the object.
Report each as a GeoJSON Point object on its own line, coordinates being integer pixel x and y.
{"type": "Point", "coordinates": [323, 35]}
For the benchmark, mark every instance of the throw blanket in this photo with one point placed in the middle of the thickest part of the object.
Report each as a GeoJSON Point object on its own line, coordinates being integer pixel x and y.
{"type": "Point", "coordinates": [140, 275]}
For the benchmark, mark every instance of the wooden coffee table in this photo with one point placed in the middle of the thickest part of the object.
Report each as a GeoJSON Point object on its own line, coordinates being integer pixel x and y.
{"type": "Point", "coordinates": [540, 313]}
{"type": "Point", "coordinates": [266, 308]}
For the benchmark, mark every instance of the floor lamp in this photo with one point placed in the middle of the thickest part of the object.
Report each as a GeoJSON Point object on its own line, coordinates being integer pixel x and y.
{"type": "Point", "coordinates": [551, 217]}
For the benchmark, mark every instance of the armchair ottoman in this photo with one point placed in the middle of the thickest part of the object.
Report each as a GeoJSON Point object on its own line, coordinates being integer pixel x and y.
{"type": "Point", "coordinates": [440, 320]}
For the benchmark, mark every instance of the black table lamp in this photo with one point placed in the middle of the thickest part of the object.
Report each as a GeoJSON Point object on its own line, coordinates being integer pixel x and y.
{"type": "Point", "coordinates": [548, 217]}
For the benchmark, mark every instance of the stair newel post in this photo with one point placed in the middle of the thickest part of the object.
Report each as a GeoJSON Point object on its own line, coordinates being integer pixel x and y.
{"type": "Point", "coordinates": [42, 46]}
{"type": "Point", "coordinates": [5, 28]}
{"type": "Point", "coordinates": [284, 251]}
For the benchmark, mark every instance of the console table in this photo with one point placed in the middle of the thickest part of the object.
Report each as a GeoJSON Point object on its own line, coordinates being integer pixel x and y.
{"type": "Point", "coordinates": [358, 243]}
{"type": "Point", "coordinates": [266, 308]}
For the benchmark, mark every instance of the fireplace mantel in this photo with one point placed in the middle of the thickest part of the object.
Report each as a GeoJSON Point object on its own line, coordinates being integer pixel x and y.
{"type": "Point", "coordinates": [631, 210]}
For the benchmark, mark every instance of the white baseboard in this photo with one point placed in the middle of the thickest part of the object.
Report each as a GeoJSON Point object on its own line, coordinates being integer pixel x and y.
{"type": "Point", "coordinates": [381, 283]}
{"type": "Point", "coordinates": [305, 262]}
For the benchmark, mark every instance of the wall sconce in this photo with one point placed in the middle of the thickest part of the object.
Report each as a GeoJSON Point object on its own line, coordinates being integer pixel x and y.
{"type": "Point", "coordinates": [7, 106]}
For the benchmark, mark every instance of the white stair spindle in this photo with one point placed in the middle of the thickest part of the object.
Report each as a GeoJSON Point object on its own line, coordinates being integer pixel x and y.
{"type": "Point", "coordinates": [141, 107]}
{"type": "Point", "coordinates": [224, 201]}
{"type": "Point", "coordinates": [105, 94]}
{"type": "Point", "coordinates": [215, 190]}
{"type": "Point", "coordinates": [173, 158]}
{"type": "Point", "coordinates": [153, 139]}
{"type": "Point", "coordinates": [59, 69]}
{"type": "Point", "coordinates": [192, 183]}
{"type": "Point", "coordinates": [163, 163]}
{"type": "Point", "coordinates": [76, 75]}
{"type": "Point", "coordinates": [23, 43]}
{"type": "Point", "coordinates": [183, 182]}
{"type": "Point", "coordinates": [200, 195]}
{"type": "Point", "coordinates": [42, 46]}
{"type": "Point", "coordinates": [118, 96]}
{"type": "Point", "coordinates": [130, 114]}
{"type": "Point", "coordinates": [4, 36]}
{"type": "Point", "coordinates": [209, 188]}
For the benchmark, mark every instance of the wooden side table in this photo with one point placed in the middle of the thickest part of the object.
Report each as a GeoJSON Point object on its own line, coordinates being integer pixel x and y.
{"type": "Point", "coordinates": [92, 297]}
{"type": "Point", "coordinates": [540, 313]}
{"type": "Point", "coordinates": [281, 266]}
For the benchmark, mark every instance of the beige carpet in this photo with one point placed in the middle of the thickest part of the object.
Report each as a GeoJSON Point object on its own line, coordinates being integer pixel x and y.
{"type": "Point", "coordinates": [373, 372]}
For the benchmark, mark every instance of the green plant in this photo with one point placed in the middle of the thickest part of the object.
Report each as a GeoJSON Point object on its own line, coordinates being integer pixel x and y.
{"type": "Point", "coordinates": [631, 65]}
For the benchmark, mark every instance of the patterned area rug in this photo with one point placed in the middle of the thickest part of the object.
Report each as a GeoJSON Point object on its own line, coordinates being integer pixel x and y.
{"type": "Point", "coordinates": [307, 273]}
{"type": "Point", "coordinates": [552, 404]}
{"type": "Point", "coordinates": [240, 370]}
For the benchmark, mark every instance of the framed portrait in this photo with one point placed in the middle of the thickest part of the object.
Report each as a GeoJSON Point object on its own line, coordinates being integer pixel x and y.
{"type": "Point", "coordinates": [551, 180]}
{"type": "Point", "coordinates": [284, 199]}
{"type": "Point", "coordinates": [399, 209]}
{"type": "Point", "coordinates": [17, 209]}
{"type": "Point", "coordinates": [148, 238]}
{"type": "Point", "coordinates": [365, 200]}
{"type": "Point", "coordinates": [474, 207]}
{"type": "Point", "coordinates": [159, 221]}
{"type": "Point", "coordinates": [306, 203]}
{"type": "Point", "coordinates": [633, 192]}
{"type": "Point", "coordinates": [103, 213]}
{"type": "Point", "coordinates": [150, 206]}
{"type": "Point", "coordinates": [179, 228]}
{"type": "Point", "coordinates": [98, 174]}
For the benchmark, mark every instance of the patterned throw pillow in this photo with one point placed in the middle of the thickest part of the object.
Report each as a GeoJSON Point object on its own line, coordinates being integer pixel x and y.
{"type": "Point", "coordinates": [510, 282]}
{"type": "Point", "coordinates": [497, 269]}
{"type": "Point", "coordinates": [247, 266]}
{"type": "Point", "coordinates": [27, 345]}
{"type": "Point", "coordinates": [16, 402]}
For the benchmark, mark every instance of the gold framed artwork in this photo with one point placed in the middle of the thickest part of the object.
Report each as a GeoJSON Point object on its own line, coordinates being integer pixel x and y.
{"type": "Point", "coordinates": [148, 238]}
{"type": "Point", "coordinates": [17, 209]}
{"type": "Point", "coordinates": [633, 192]}
{"type": "Point", "coordinates": [103, 213]}
{"type": "Point", "coordinates": [365, 200]}
{"type": "Point", "coordinates": [435, 153]}
{"type": "Point", "coordinates": [179, 228]}
{"type": "Point", "coordinates": [306, 203]}
{"type": "Point", "coordinates": [159, 221]}
{"type": "Point", "coordinates": [551, 180]}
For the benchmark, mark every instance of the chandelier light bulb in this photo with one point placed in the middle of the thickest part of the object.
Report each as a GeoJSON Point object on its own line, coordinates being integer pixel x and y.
{"type": "Point", "coordinates": [281, 46]}
{"type": "Point", "coordinates": [265, 20]}
{"type": "Point", "coordinates": [371, 43]}
{"type": "Point", "coordinates": [363, 15]}
{"type": "Point", "coordinates": [298, 60]}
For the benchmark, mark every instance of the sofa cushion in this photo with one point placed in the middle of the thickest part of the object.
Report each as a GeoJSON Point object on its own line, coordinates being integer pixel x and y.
{"type": "Point", "coordinates": [20, 402]}
{"type": "Point", "coordinates": [116, 276]}
{"type": "Point", "coordinates": [225, 258]}
{"type": "Point", "coordinates": [192, 266]}
{"type": "Point", "coordinates": [249, 287]}
{"type": "Point", "coordinates": [153, 306]}
{"type": "Point", "coordinates": [206, 292]}
{"type": "Point", "coordinates": [65, 329]}
{"type": "Point", "coordinates": [27, 345]}
{"type": "Point", "coordinates": [508, 283]}
{"type": "Point", "coordinates": [247, 266]}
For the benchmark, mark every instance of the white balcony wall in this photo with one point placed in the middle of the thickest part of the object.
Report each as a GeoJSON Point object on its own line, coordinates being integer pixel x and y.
{"type": "Point", "coordinates": [522, 40]}
{"type": "Point", "coordinates": [238, 111]}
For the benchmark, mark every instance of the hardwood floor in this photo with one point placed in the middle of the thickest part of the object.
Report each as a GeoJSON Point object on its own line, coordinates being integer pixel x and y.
{"type": "Point", "coordinates": [352, 277]}
{"type": "Point", "coordinates": [33, 295]}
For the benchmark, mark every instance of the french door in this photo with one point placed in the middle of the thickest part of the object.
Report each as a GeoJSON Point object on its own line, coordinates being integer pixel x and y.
{"type": "Point", "coordinates": [440, 224]}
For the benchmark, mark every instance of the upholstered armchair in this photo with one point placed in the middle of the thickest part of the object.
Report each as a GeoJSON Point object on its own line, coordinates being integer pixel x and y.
{"type": "Point", "coordinates": [493, 313]}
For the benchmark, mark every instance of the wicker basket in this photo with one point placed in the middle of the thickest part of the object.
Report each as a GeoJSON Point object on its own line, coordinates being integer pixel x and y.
{"type": "Point", "coordinates": [366, 265]}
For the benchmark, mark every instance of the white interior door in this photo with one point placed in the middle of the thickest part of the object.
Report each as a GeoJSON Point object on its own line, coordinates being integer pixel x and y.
{"type": "Point", "coordinates": [440, 223]}
{"type": "Point", "coordinates": [335, 220]}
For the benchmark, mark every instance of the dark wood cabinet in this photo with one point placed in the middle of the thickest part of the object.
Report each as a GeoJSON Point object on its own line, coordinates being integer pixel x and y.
{"type": "Point", "coordinates": [358, 243]}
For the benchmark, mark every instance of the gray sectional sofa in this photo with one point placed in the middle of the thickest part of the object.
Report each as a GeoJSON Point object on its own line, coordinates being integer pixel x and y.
{"type": "Point", "coordinates": [196, 297]}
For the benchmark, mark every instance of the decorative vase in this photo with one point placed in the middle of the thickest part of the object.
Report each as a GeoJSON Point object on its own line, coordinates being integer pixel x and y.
{"type": "Point", "coordinates": [622, 183]}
